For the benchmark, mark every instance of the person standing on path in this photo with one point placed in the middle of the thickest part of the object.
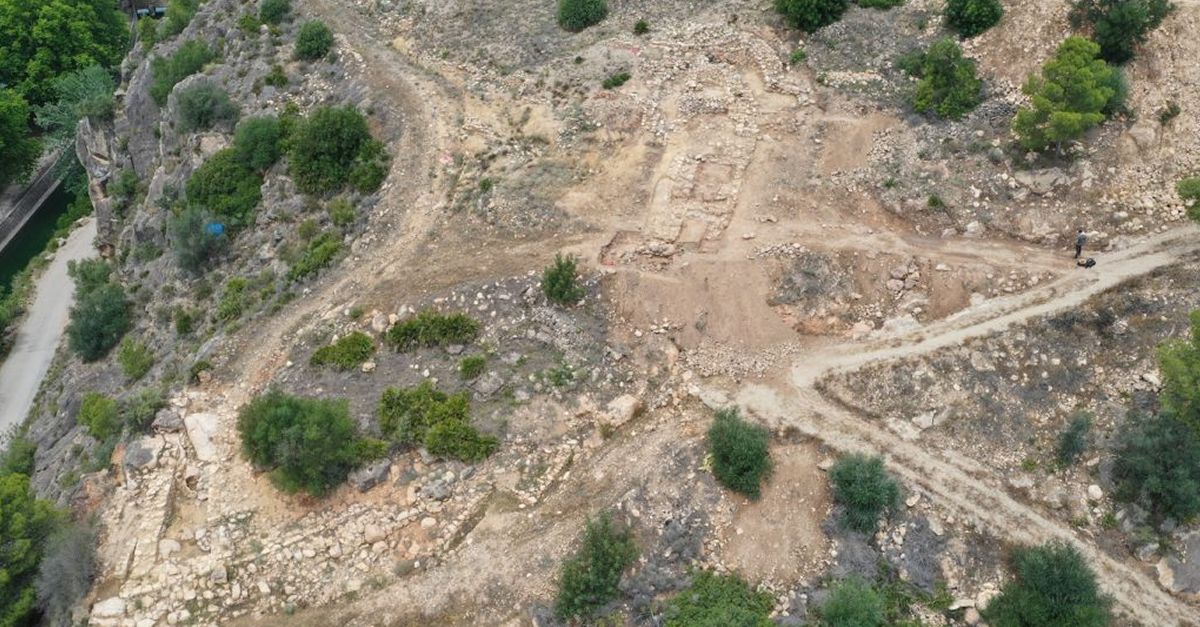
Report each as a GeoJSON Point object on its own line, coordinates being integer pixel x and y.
{"type": "Point", "coordinates": [1080, 240]}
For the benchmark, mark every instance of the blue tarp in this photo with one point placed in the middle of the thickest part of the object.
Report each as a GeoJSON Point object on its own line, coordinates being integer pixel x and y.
{"type": "Point", "coordinates": [215, 228]}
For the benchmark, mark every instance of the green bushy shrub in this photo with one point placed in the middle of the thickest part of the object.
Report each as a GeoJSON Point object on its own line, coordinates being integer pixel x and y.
{"type": "Point", "coordinates": [147, 33]}
{"type": "Point", "coordinates": [258, 142]}
{"type": "Point", "coordinates": [641, 27]}
{"type": "Point", "coordinates": [441, 422]}
{"type": "Point", "coordinates": [714, 600]}
{"type": "Point", "coordinates": [179, 14]}
{"type": "Point", "coordinates": [233, 300]}
{"type": "Point", "coordinates": [18, 457]}
{"type": "Point", "coordinates": [347, 353]}
{"type": "Point", "coordinates": [370, 167]}
{"type": "Point", "coordinates": [198, 367]}
{"type": "Point", "coordinates": [1067, 98]}
{"type": "Point", "coordinates": [341, 212]}
{"type": "Point", "coordinates": [560, 283]}
{"type": "Point", "coordinates": [100, 415]}
{"type": "Point", "coordinates": [191, 240]}
{"type": "Point", "coordinates": [864, 489]}
{"type": "Point", "coordinates": [1119, 26]}
{"type": "Point", "coordinates": [274, 11]}
{"type": "Point", "coordinates": [471, 366]}
{"type": "Point", "coordinates": [168, 71]}
{"type": "Point", "coordinates": [328, 146]}
{"type": "Point", "coordinates": [616, 80]}
{"type": "Point", "coordinates": [318, 254]}
{"type": "Point", "coordinates": [26, 524]}
{"type": "Point", "coordinates": [740, 455]}
{"type": "Point", "coordinates": [85, 93]}
{"type": "Point", "coordinates": [135, 359]}
{"type": "Point", "coordinates": [1053, 587]}
{"type": "Point", "coordinates": [249, 24]}
{"type": "Point", "coordinates": [1157, 466]}
{"type": "Point", "coordinates": [972, 17]}
{"type": "Point", "coordinates": [276, 77]}
{"type": "Point", "coordinates": [1179, 361]}
{"type": "Point", "coordinates": [853, 602]}
{"type": "Point", "coordinates": [139, 409]}
{"type": "Point", "coordinates": [308, 444]}
{"type": "Point", "coordinates": [879, 4]}
{"type": "Point", "coordinates": [313, 41]}
{"type": "Point", "coordinates": [948, 85]}
{"type": "Point", "coordinates": [203, 106]}
{"type": "Point", "coordinates": [100, 316]}
{"type": "Point", "coordinates": [429, 328]}
{"type": "Point", "coordinates": [1189, 190]}
{"type": "Point", "coordinates": [576, 15]}
{"type": "Point", "coordinates": [227, 187]}
{"type": "Point", "coordinates": [589, 578]}
{"type": "Point", "coordinates": [1074, 439]}
{"type": "Point", "coordinates": [811, 15]}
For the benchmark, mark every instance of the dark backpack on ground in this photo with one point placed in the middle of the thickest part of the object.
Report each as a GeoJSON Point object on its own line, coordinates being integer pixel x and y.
{"type": "Point", "coordinates": [1086, 263]}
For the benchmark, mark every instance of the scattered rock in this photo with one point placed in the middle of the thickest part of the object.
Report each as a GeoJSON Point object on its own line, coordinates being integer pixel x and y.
{"type": "Point", "coordinates": [112, 607]}
{"type": "Point", "coordinates": [370, 475]}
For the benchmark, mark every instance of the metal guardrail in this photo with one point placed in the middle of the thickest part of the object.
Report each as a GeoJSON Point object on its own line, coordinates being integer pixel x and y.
{"type": "Point", "coordinates": [30, 200]}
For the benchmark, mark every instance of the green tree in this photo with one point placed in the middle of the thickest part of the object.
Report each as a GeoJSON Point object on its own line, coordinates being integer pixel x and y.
{"type": "Point", "coordinates": [1052, 587]}
{"type": "Point", "coordinates": [1119, 26]}
{"type": "Point", "coordinates": [719, 601]}
{"type": "Point", "coordinates": [1067, 99]}
{"type": "Point", "coordinates": [1189, 190]}
{"type": "Point", "coordinates": [257, 141]}
{"type": "Point", "coordinates": [25, 525]}
{"type": "Point", "coordinates": [576, 15]}
{"type": "Point", "coordinates": [864, 489]}
{"type": "Point", "coordinates": [313, 41]}
{"type": "Point", "coordinates": [811, 15]}
{"type": "Point", "coordinates": [324, 147]}
{"type": "Point", "coordinates": [41, 40]}
{"type": "Point", "coordinates": [948, 85]}
{"type": "Point", "coordinates": [589, 578]}
{"type": "Point", "coordinates": [740, 455]}
{"type": "Point", "coordinates": [65, 573]}
{"type": "Point", "coordinates": [1157, 466]}
{"type": "Point", "coordinates": [274, 12]}
{"type": "Point", "coordinates": [202, 106]}
{"type": "Point", "coordinates": [853, 602]}
{"type": "Point", "coordinates": [972, 17]}
{"type": "Point", "coordinates": [20, 149]}
{"type": "Point", "coordinates": [99, 319]}
{"type": "Point", "coordinates": [560, 283]}
{"type": "Point", "coordinates": [191, 240]}
{"type": "Point", "coordinates": [1179, 361]}
{"type": "Point", "coordinates": [227, 187]}
{"type": "Point", "coordinates": [85, 93]}
{"type": "Point", "coordinates": [308, 444]}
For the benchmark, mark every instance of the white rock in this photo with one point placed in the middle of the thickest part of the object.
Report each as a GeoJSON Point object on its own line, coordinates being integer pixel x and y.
{"type": "Point", "coordinates": [112, 607]}
{"type": "Point", "coordinates": [1095, 493]}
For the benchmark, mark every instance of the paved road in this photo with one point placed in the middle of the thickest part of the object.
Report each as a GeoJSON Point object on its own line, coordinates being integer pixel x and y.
{"type": "Point", "coordinates": [37, 338]}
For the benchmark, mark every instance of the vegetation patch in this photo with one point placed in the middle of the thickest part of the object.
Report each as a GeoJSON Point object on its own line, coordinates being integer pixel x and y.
{"type": "Point", "coordinates": [203, 106]}
{"type": "Point", "coordinates": [948, 85]}
{"type": "Point", "coordinates": [100, 316]}
{"type": "Point", "coordinates": [1119, 26]}
{"type": "Point", "coordinates": [26, 524]}
{"type": "Point", "coordinates": [100, 415]}
{"type": "Point", "coordinates": [560, 281]}
{"type": "Point", "coordinates": [740, 456]}
{"type": "Point", "coordinates": [616, 80]}
{"type": "Point", "coordinates": [811, 15]}
{"type": "Point", "coordinates": [347, 353]}
{"type": "Point", "coordinates": [1053, 586]}
{"type": "Point", "coordinates": [1073, 440]}
{"type": "Point", "coordinates": [864, 490]}
{"type": "Point", "coordinates": [576, 15]}
{"type": "Point", "coordinates": [429, 328]}
{"type": "Point", "coordinates": [333, 148]}
{"type": "Point", "coordinates": [192, 239]}
{"type": "Point", "coordinates": [588, 579]}
{"type": "Point", "coordinates": [258, 142]}
{"type": "Point", "coordinates": [274, 12]}
{"type": "Point", "coordinates": [426, 416]}
{"type": "Point", "coordinates": [313, 41]}
{"type": "Point", "coordinates": [135, 359]}
{"type": "Point", "coordinates": [973, 17]}
{"type": "Point", "coordinates": [1068, 98]}
{"type": "Point", "coordinates": [717, 600]}
{"type": "Point", "coordinates": [318, 254]}
{"type": "Point", "coordinates": [227, 187]}
{"type": "Point", "coordinates": [853, 602]}
{"type": "Point", "coordinates": [1157, 466]}
{"type": "Point", "coordinates": [191, 57]}
{"type": "Point", "coordinates": [471, 366]}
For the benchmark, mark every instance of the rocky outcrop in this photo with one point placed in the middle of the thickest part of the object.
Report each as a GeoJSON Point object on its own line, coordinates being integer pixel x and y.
{"type": "Point", "coordinates": [95, 147]}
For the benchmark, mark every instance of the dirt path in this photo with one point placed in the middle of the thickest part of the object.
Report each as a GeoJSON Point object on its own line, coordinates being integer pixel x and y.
{"type": "Point", "coordinates": [955, 481]}
{"type": "Point", "coordinates": [41, 330]}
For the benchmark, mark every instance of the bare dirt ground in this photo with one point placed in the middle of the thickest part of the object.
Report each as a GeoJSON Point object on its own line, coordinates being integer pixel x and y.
{"type": "Point", "coordinates": [704, 197]}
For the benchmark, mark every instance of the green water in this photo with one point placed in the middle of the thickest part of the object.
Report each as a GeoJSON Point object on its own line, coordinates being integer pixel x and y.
{"type": "Point", "coordinates": [33, 237]}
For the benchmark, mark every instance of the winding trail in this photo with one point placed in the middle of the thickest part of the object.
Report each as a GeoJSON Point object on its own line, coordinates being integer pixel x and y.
{"type": "Point", "coordinates": [955, 480]}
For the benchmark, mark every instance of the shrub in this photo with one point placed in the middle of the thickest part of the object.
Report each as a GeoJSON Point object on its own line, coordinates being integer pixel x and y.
{"type": "Point", "coordinates": [1189, 190]}
{"type": "Point", "coordinates": [472, 366]}
{"type": "Point", "coordinates": [147, 32]}
{"type": "Point", "coordinates": [19, 147]}
{"type": "Point", "coordinates": [202, 106]}
{"type": "Point", "coordinates": [864, 489]}
{"type": "Point", "coordinates": [227, 187]}
{"type": "Point", "coordinates": [740, 458]}
{"type": "Point", "coordinates": [1052, 587]}
{"type": "Point", "coordinates": [139, 410]}
{"type": "Point", "coordinates": [249, 24]}
{"type": "Point", "coordinates": [65, 572]}
{"type": "Point", "coordinates": [135, 358]}
{"type": "Point", "coordinates": [1073, 440]}
{"type": "Point", "coordinates": [184, 321]}
{"type": "Point", "coordinates": [193, 243]}
{"type": "Point", "coordinates": [84, 93]}
{"type": "Point", "coordinates": [99, 414]}
{"type": "Point", "coordinates": [589, 578]}
{"type": "Point", "coordinates": [123, 188]}
{"type": "Point", "coordinates": [196, 369]}
{"type": "Point", "coordinates": [1179, 361]}
{"type": "Point", "coordinates": [879, 4]}
{"type": "Point", "coordinates": [18, 457]}
{"type": "Point", "coordinates": [810, 15]}
{"type": "Point", "coordinates": [233, 300]}
{"type": "Point", "coordinates": [972, 17]}
{"type": "Point", "coordinates": [430, 328]}
{"type": "Point", "coordinates": [341, 212]}
{"type": "Point", "coordinates": [1169, 112]}
{"type": "Point", "coordinates": [319, 253]}
{"type": "Point", "coordinates": [25, 526]}
{"type": "Point", "coordinates": [257, 142]}
{"type": "Point", "coordinates": [168, 71]}
{"type": "Point", "coordinates": [427, 416]}
{"type": "Point", "coordinates": [948, 86]}
{"type": "Point", "coordinates": [370, 167]}
{"type": "Point", "coordinates": [1157, 466]}
{"type": "Point", "coordinates": [276, 77]}
{"type": "Point", "coordinates": [179, 14]}
{"type": "Point", "coordinates": [313, 41]}
{"type": "Point", "coordinates": [1120, 94]}
{"type": "Point", "coordinates": [616, 80]}
{"type": "Point", "coordinates": [560, 283]}
{"type": "Point", "coordinates": [641, 27]}
{"type": "Point", "coordinates": [99, 319]}
{"type": "Point", "coordinates": [325, 147]}
{"type": "Point", "coordinates": [274, 11]}
{"type": "Point", "coordinates": [1119, 26]}
{"type": "Point", "coordinates": [718, 601]}
{"type": "Point", "coordinates": [1068, 98]}
{"type": "Point", "coordinates": [853, 602]}
{"type": "Point", "coordinates": [798, 56]}
{"type": "Point", "coordinates": [308, 444]}
{"type": "Point", "coordinates": [576, 15]}
{"type": "Point", "coordinates": [347, 353]}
